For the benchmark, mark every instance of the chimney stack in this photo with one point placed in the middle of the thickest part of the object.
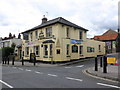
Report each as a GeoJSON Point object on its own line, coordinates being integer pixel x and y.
{"type": "Point", "coordinates": [44, 19]}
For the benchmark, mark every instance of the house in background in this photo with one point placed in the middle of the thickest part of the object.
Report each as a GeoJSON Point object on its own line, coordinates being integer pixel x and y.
{"type": "Point", "coordinates": [9, 41]}
{"type": "Point", "coordinates": [59, 40]}
{"type": "Point", "coordinates": [110, 38]}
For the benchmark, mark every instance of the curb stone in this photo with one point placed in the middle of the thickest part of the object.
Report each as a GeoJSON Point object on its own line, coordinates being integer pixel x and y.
{"type": "Point", "coordinates": [110, 78]}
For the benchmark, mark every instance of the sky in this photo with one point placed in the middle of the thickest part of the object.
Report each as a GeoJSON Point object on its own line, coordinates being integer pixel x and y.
{"type": "Point", "coordinates": [97, 16]}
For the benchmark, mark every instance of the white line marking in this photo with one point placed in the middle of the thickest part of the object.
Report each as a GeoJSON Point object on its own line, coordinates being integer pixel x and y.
{"type": "Point", "coordinates": [20, 68]}
{"type": "Point", "coordinates": [108, 85]}
{"type": "Point", "coordinates": [6, 84]}
{"type": "Point", "coordinates": [74, 79]}
{"type": "Point", "coordinates": [80, 66]}
{"type": "Point", "coordinates": [52, 75]}
{"type": "Point", "coordinates": [38, 72]}
{"type": "Point", "coordinates": [13, 67]}
{"type": "Point", "coordinates": [67, 67]}
{"type": "Point", "coordinates": [28, 70]}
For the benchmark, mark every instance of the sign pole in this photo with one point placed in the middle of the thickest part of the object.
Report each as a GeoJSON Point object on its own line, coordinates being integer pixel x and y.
{"type": "Point", "coordinates": [105, 65]}
{"type": "Point", "coordinates": [96, 64]}
{"type": "Point", "coordinates": [101, 61]}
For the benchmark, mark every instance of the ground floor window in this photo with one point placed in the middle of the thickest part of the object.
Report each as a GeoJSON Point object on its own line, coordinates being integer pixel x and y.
{"type": "Point", "coordinates": [67, 49]}
{"type": "Point", "coordinates": [36, 50]}
{"type": "Point", "coordinates": [58, 51]}
{"type": "Point", "coordinates": [27, 51]}
{"type": "Point", "coordinates": [81, 50]}
{"type": "Point", "coordinates": [90, 49]}
{"type": "Point", "coordinates": [46, 50]}
{"type": "Point", "coordinates": [51, 49]}
{"type": "Point", "coordinates": [74, 49]}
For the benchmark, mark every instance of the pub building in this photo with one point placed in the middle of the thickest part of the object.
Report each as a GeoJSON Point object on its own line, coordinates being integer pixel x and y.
{"type": "Point", "coordinates": [59, 40]}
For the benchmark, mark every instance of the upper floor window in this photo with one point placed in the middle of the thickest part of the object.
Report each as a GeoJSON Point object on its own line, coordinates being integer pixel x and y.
{"type": "Point", "coordinates": [67, 32]}
{"type": "Point", "coordinates": [36, 34]}
{"type": "Point", "coordinates": [49, 32]}
{"type": "Point", "coordinates": [31, 36]}
{"type": "Point", "coordinates": [80, 35]}
{"type": "Point", "coordinates": [25, 36]}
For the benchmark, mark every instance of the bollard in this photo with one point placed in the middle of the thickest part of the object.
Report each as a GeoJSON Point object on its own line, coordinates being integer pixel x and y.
{"type": "Point", "coordinates": [8, 60]}
{"type": "Point", "coordinates": [96, 64]}
{"type": "Point", "coordinates": [101, 61]}
{"type": "Point", "coordinates": [34, 61]}
{"type": "Point", "coordinates": [105, 65]}
{"type": "Point", "coordinates": [13, 60]}
{"type": "Point", "coordinates": [5, 60]}
{"type": "Point", "coordinates": [22, 61]}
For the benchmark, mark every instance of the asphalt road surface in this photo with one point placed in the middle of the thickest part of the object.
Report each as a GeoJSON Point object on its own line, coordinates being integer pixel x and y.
{"type": "Point", "coordinates": [71, 76]}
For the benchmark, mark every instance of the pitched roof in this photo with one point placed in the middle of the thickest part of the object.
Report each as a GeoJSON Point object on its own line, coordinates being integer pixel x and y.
{"type": "Point", "coordinates": [57, 20]}
{"type": "Point", "coordinates": [106, 37]}
{"type": "Point", "coordinates": [110, 31]}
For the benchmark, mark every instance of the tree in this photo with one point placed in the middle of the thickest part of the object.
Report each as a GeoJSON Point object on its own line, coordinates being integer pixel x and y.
{"type": "Point", "coordinates": [10, 35]}
{"type": "Point", "coordinates": [19, 36]}
{"type": "Point", "coordinates": [6, 51]}
{"type": "Point", "coordinates": [14, 36]}
{"type": "Point", "coordinates": [13, 45]}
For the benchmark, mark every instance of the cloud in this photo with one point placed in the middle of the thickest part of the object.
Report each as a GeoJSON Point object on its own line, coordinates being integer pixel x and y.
{"type": "Point", "coordinates": [20, 15]}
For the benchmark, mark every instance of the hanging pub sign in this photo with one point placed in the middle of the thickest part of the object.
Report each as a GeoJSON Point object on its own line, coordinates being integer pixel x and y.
{"type": "Point", "coordinates": [75, 42]}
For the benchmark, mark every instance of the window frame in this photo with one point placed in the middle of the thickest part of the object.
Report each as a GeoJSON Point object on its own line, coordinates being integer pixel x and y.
{"type": "Point", "coordinates": [80, 35]}
{"type": "Point", "coordinates": [67, 32]}
{"type": "Point", "coordinates": [36, 35]}
{"type": "Point", "coordinates": [45, 50]}
{"type": "Point", "coordinates": [74, 46]}
{"type": "Point", "coordinates": [37, 50]}
{"type": "Point", "coordinates": [27, 51]}
{"type": "Point", "coordinates": [48, 32]}
{"type": "Point", "coordinates": [67, 50]}
{"type": "Point", "coordinates": [81, 50]}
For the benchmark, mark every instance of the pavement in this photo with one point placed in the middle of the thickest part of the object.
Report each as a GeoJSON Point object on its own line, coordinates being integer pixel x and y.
{"type": "Point", "coordinates": [112, 72]}
{"type": "Point", "coordinates": [27, 64]}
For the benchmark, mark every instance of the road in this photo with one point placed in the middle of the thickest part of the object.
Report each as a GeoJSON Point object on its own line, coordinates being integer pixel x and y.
{"type": "Point", "coordinates": [71, 76]}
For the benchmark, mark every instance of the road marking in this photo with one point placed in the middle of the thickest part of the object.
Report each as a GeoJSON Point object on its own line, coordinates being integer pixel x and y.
{"type": "Point", "coordinates": [38, 72]}
{"type": "Point", "coordinates": [20, 68]}
{"type": "Point", "coordinates": [52, 75]}
{"type": "Point", "coordinates": [28, 70]}
{"type": "Point", "coordinates": [6, 84]}
{"type": "Point", "coordinates": [13, 67]}
{"type": "Point", "coordinates": [108, 85]}
{"type": "Point", "coordinates": [67, 67]}
{"type": "Point", "coordinates": [80, 66]}
{"type": "Point", "coordinates": [74, 79]}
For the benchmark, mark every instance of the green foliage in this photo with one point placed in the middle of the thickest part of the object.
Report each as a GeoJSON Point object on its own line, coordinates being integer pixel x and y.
{"type": "Point", "coordinates": [13, 45]}
{"type": "Point", "coordinates": [6, 51]}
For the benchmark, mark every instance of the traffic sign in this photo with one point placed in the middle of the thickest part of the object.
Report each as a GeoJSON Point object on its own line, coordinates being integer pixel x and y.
{"type": "Point", "coordinates": [111, 60]}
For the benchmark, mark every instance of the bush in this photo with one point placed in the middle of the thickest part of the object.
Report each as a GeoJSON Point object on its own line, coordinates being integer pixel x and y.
{"type": "Point", "coordinates": [6, 51]}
